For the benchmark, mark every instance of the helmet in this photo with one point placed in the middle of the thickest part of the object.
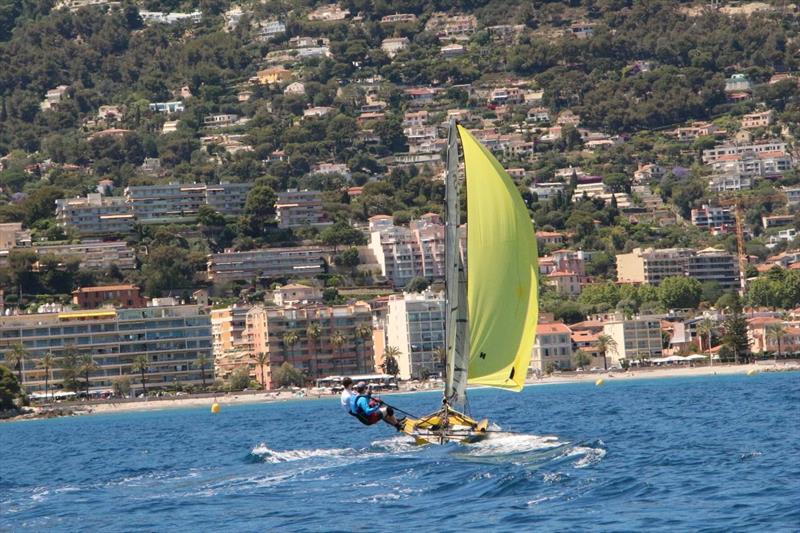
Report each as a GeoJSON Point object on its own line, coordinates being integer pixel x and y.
{"type": "Point", "coordinates": [361, 386]}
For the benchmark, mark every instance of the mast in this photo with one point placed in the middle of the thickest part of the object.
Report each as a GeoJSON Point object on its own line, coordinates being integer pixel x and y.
{"type": "Point", "coordinates": [456, 334]}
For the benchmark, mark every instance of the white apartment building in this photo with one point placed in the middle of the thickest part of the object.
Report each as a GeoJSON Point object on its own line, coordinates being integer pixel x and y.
{"type": "Point", "coordinates": [648, 265]}
{"type": "Point", "coordinates": [94, 255]}
{"type": "Point", "coordinates": [712, 217]}
{"type": "Point", "coordinates": [714, 154]}
{"type": "Point", "coordinates": [265, 263]}
{"type": "Point", "coordinates": [730, 182]}
{"type": "Point", "coordinates": [546, 191]}
{"type": "Point", "coordinates": [633, 339]}
{"type": "Point", "coordinates": [296, 209]}
{"type": "Point", "coordinates": [553, 346]}
{"type": "Point", "coordinates": [792, 194]}
{"type": "Point", "coordinates": [405, 253]}
{"type": "Point", "coordinates": [415, 326]}
{"type": "Point", "coordinates": [95, 215]}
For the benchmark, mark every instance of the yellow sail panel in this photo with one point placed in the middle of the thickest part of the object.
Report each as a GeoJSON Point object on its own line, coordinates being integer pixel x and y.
{"type": "Point", "coordinates": [502, 270]}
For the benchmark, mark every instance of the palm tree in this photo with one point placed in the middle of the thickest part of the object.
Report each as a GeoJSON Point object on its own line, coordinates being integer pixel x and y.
{"type": "Point", "coordinates": [202, 361]}
{"type": "Point", "coordinates": [313, 332]}
{"type": "Point", "coordinates": [390, 364]}
{"type": "Point", "coordinates": [441, 356]}
{"type": "Point", "coordinates": [338, 341]}
{"type": "Point", "coordinates": [776, 332]}
{"type": "Point", "coordinates": [87, 366]}
{"type": "Point", "coordinates": [706, 327]}
{"type": "Point", "coordinates": [141, 364]}
{"type": "Point", "coordinates": [46, 363]}
{"type": "Point", "coordinates": [15, 358]}
{"type": "Point", "coordinates": [604, 343]}
{"type": "Point", "coordinates": [362, 333]}
{"type": "Point", "coordinates": [262, 359]}
{"type": "Point", "coordinates": [290, 338]}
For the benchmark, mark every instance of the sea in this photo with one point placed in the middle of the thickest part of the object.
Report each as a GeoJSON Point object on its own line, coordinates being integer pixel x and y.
{"type": "Point", "coordinates": [717, 453]}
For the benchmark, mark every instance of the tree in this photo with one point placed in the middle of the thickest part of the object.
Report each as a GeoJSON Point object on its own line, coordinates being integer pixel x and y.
{"type": "Point", "coordinates": [313, 332]}
{"type": "Point", "coordinates": [290, 338]}
{"type": "Point", "coordinates": [46, 363]}
{"type": "Point", "coordinates": [735, 337]}
{"type": "Point", "coordinates": [362, 333]}
{"type": "Point", "coordinates": [261, 360]}
{"type": "Point", "coordinates": [341, 233]}
{"type": "Point", "coordinates": [70, 370]}
{"type": "Point", "coordinates": [680, 293]}
{"type": "Point", "coordinates": [239, 379]}
{"type": "Point", "coordinates": [259, 208]}
{"type": "Point", "coordinates": [348, 258]}
{"type": "Point", "coordinates": [121, 387]}
{"type": "Point", "coordinates": [777, 332]}
{"type": "Point", "coordinates": [390, 365]}
{"type": "Point", "coordinates": [582, 359]}
{"type": "Point", "coordinates": [338, 340]}
{"type": "Point", "coordinates": [15, 358]}
{"type": "Point", "coordinates": [87, 366]}
{"type": "Point", "coordinates": [202, 361]}
{"type": "Point", "coordinates": [141, 365]}
{"type": "Point", "coordinates": [288, 376]}
{"type": "Point", "coordinates": [706, 327]}
{"type": "Point", "coordinates": [605, 343]}
{"type": "Point", "coordinates": [417, 284]}
{"type": "Point", "coordinates": [9, 388]}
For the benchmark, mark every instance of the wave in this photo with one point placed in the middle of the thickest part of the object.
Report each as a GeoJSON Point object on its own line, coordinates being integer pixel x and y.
{"type": "Point", "coordinates": [266, 454]}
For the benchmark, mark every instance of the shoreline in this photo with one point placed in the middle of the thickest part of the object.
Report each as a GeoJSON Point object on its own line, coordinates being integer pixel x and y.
{"type": "Point", "coordinates": [229, 399]}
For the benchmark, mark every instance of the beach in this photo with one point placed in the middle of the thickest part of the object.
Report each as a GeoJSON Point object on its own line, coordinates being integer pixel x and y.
{"type": "Point", "coordinates": [236, 398]}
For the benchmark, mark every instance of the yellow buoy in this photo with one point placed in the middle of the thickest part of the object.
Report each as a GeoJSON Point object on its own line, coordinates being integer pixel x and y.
{"type": "Point", "coordinates": [599, 382]}
{"type": "Point", "coordinates": [752, 372]}
{"type": "Point", "coordinates": [215, 408]}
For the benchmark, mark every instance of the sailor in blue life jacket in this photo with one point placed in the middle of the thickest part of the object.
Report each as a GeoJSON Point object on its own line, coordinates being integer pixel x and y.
{"type": "Point", "coordinates": [370, 410]}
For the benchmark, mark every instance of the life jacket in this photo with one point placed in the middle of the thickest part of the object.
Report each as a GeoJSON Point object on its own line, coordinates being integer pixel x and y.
{"type": "Point", "coordinates": [357, 411]}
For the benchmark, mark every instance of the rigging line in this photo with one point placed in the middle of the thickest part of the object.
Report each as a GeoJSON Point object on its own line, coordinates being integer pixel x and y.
{"type": "Point", "coordinates": [399, 410]}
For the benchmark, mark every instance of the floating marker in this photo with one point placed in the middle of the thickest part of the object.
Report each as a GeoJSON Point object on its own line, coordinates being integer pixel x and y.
{"type": "Point", "coordinates": [600, 382]}
{"type": "Point", "coordinates": [215, 408]}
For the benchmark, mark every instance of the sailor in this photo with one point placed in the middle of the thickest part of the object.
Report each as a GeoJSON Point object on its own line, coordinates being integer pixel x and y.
{"type": "Point", "coordinates": [347, 392]}
{"type": "Point", "coordinates": [370, 410]}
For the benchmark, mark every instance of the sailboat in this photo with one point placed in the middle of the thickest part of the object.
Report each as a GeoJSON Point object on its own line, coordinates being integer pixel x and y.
{"type": "Point", "coordinates": [491, 307]}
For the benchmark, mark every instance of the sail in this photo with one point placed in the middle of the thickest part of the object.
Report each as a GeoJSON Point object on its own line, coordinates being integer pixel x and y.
{"type": "Point", "coordinates": [456, 286]}
{"type": "Point", "coordinates": [502, 272]}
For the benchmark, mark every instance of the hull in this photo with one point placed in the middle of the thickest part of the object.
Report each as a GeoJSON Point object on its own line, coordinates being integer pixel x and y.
{"type": "Point", "coordinates": [444, 426]}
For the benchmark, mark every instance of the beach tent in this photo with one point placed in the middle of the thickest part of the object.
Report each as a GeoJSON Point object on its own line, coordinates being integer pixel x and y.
{"type": "Point", "coordinates": [696, 357]}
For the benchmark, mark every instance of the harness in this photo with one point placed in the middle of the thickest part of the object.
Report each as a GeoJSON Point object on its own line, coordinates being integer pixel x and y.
{"type": "Point", "coordinates": [359, 411]}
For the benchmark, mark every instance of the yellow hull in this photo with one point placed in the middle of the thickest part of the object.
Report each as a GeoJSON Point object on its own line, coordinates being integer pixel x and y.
{"type": "Point", "coordinates": [432, 429]}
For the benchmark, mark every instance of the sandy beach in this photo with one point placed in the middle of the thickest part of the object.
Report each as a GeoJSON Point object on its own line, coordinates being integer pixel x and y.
{"type": "Point", "coordinates": [608, 378]}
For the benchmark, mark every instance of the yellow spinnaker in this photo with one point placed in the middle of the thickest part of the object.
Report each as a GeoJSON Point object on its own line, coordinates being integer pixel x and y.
{"type": "Point", "coordinates": [502, 271]}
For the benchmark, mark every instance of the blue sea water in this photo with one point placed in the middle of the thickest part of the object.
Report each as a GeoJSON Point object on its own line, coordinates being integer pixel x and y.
{"type": "Point", "coordinates": [683, 454]}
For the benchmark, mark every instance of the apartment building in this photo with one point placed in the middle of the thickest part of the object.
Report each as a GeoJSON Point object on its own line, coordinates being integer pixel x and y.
{"type": "Point", "coordinates": [750, 164]}
{"type": "Point", "coordinates": [167, 107]}
{"type": "Point", "coordinates": [124, 296]}
{"type": "Point", "coordinates": [405, 253]}
{"type": "Point", "coordinates": [761, 119]}
{"type": "Point", "coordinates": [164, 204]}
{"type": "Point", "coordinates": [633, 339]}
{"type": "Point", "coordinates": [94, 255]}
{"type": "Point", "coordinates": [266, 263]}
{"type": "Point", "coordinates": [415, 326]}
{"type": "Point", "coordinates": [172, 338]}
{"type": "Point", "coordinates": [319, 340]}
{"type": "Point", "coordinates": [227, 328]}
{"type": "Point", "coordinates": [714, 154]}
{"type": "Point", "coordinates": [13, 236]}
{"type": "Point", "coordinates": [227, 198]}
{"type": "Point", "coordinates": [712, 217]}
{"type": "Point", "coordinates": [296, 209]}
{"type": "Point", "coordinates": [548, 190]}
{"type": "Point", "coordinates": [648, 265]}
{"type": "Point", "coordinates": [552, 348]}
{"type": "Point", "coordinates": [95, 215]}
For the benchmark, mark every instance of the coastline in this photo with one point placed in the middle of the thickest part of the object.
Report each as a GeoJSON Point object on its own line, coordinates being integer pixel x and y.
{"type": "Point", "coordinates": [229, 399]}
